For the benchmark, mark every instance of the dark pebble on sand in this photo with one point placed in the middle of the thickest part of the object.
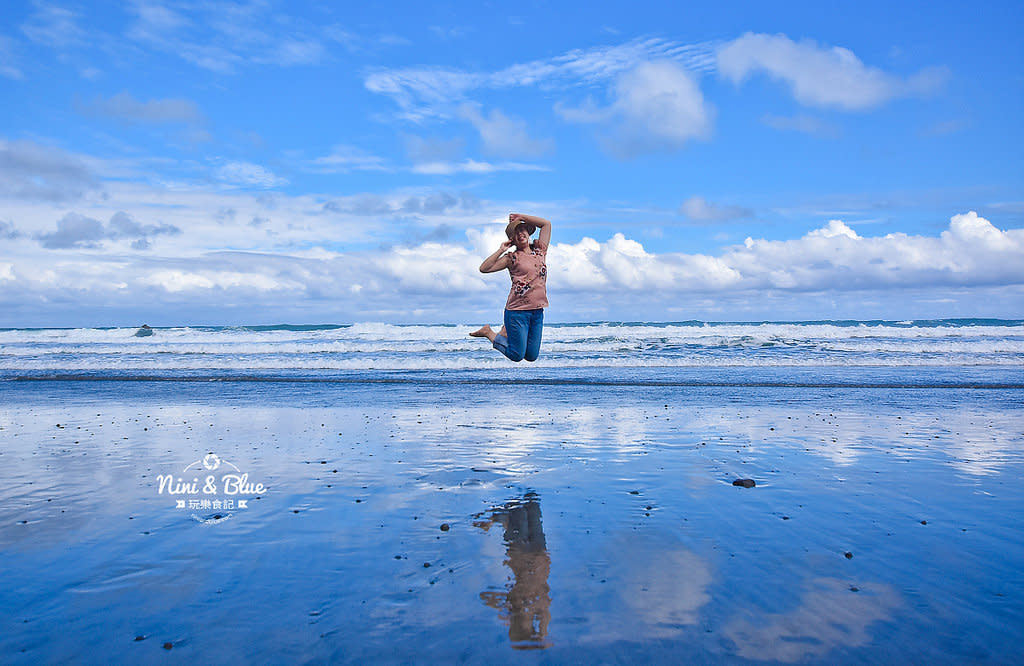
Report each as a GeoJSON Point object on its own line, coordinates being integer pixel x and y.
{"type": "Point", "coordinates": [848, 555]}
{"type": "Point", "coordinates": [445, 527]}
{"type": "Point", "coordinates": [745, 483]}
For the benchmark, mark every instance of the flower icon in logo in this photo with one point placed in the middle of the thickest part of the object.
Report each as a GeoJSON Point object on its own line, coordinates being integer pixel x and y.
{"type": "Point", "coordinates": [211, 461]}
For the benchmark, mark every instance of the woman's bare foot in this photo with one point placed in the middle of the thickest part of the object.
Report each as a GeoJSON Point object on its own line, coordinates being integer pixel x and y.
{"type": "Point", "coordinates": [485, 332]}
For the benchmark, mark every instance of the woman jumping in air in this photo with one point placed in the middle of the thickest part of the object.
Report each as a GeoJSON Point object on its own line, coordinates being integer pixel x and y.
{"type": "Point", "coordinates": [519, 338]}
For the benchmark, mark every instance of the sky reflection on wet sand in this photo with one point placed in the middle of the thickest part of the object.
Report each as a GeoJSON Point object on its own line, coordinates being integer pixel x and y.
{"type": "Point", "coordinates": [596, 524]}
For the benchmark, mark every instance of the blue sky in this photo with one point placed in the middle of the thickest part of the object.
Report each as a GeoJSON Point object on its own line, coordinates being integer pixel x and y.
{"type": "Point", "coordinates": [186, 162]}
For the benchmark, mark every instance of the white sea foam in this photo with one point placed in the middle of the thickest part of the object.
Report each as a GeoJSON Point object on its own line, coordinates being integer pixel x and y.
{"type": "Point", "coordinates": [378, 346]}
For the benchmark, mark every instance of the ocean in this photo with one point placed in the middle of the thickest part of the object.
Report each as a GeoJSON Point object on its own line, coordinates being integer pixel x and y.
{"type": "Point", "coordinates": [414, 497]}
{"type": "Point", "coordinates": [950, 351]}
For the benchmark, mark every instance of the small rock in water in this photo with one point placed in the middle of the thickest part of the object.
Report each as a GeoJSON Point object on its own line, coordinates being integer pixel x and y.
{"type": "Point", "coordinates": [745, 483]}
{"type": "Point", "coordinates": [445, 527]}
{"type": "Point", "coordinates": [848, 555]}
{"type": "Point", "coordinates": [140, 637]}
{"type": "Point", "coordinates": [168, 645]}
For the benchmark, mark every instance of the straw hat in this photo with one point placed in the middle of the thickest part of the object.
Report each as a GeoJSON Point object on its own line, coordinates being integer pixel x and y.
{"type": "Point", "coordinates": [510, 229]}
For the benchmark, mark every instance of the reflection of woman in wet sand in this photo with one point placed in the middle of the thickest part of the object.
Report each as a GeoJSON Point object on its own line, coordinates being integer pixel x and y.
{"type": "Point", "coordinates": [527, 601]}
{"type": "Point", "coordinates": [519, 338]}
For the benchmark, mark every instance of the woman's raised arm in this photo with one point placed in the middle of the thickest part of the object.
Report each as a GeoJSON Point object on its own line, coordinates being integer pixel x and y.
{"type": "Point", "coordinates": [540, 223]}
{"type": "Point", "coordinates": [497, 261]}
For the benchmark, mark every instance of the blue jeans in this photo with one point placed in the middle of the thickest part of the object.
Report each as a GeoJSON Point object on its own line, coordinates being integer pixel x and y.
{"type": "Point", "coordinates": [522, 339]}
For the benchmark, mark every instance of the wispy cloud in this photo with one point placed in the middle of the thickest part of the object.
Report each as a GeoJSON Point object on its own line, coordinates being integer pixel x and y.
{"type": "Point", "coordinates": [502, 135]}
{"type": "Point", "coordinates": [54, 26]}
{"type": "Point", "coordinates": [9, 61]}
{"type": "Point", "coordinates": [432, 149]}
{"type": "Point", "coordinates": [344, 159]}
{"type": "Point", "coordinates": [434, 203]}
{"type": "Point", "coordinates": [247, 174]}
{"type": "Point", "coordinates": [124, 107]}
{"type": "Point", "coordinates": [800, 123]}
{"type": "Point", "coordinates": [422, 92]}
{"type": "Point", "coordinates": [223, 36]}
{"type": "Point", "coordinates": [472, 166]}
{"type": "Point", "coordinates": [700, 209]}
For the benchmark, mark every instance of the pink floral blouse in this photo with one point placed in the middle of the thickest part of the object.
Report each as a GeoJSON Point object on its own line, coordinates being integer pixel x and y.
{"type": "Point", "coordinates": [529, 274]}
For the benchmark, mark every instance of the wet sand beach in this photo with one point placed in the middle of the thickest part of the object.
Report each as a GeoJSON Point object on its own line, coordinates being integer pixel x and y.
{"type": "Point", "coordinates": [429, 523]}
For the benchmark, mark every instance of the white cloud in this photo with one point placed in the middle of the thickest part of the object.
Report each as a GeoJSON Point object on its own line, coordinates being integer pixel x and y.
{"type": "Point", "coordinates": [303, 251]}
{"type": "Point", "coordinates": [623, 264]}
{"type": "Point", "coordinates": [700, 209]}
{"type": "Point", "coordinates": [972, 252]}
{"type": "Point", "coordinates": [657, 106]}
{"type": "Point", "coordinates": [246, 174]}
{"type": "Point", "coordinates": [818, 75]}
{"type": "Point", "coordinates": [835, 228]}
{"type": "Point", "coordinates": [503, 136]}
{"type": "Point", "coordinates": [177, 281]}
